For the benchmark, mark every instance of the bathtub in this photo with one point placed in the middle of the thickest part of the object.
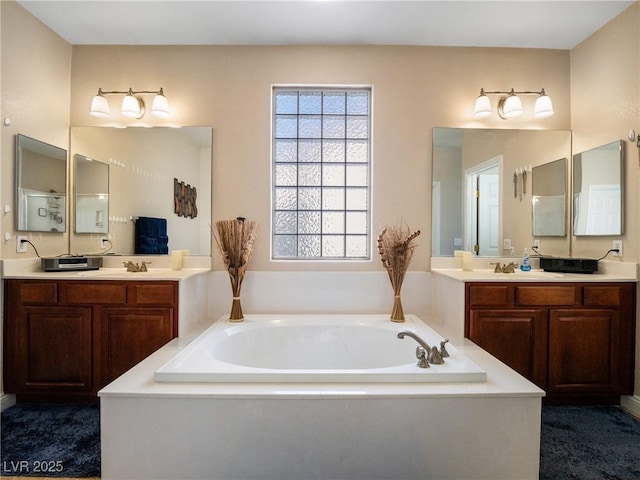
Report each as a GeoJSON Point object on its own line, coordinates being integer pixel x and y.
{"type": "Point", "coordinates": [314, 348]}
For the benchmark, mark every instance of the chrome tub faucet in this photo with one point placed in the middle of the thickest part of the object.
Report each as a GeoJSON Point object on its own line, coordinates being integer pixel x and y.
{"type": "Point", "coordinates": [424, 353]}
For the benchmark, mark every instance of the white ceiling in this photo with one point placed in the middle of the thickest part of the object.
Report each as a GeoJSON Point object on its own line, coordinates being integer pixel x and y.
{"type": "Point", "coordinates": [559, 24]}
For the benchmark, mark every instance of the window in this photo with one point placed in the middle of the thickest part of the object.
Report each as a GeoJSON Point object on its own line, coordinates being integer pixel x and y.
{"type": "Point", "coordinates": [321, 173]}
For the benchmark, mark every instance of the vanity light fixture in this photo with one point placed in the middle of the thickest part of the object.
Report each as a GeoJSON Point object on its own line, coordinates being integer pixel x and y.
{"type": "Point", "coordinates": [510, 106]}
{"type": "Point", "coordinates": [132, 104]}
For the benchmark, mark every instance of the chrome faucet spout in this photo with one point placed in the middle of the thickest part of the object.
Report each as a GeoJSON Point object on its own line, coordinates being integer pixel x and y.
{"type": "Point", "coordinates": [422, 343]}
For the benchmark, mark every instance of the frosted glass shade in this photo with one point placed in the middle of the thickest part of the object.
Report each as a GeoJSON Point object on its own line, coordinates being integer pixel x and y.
{"type": "Point", "coordinates": [482, 108]}
{"type": "Point", "coordinates": [160, 106]}
{"type": "Point", "coordinates": [131, 106]}
{"type": "Point", "coordinates": [510, 107]}
{"type": "Point", "coordinates": [99, 107]}
{"type": "Point", "coordinates": [543, 107]}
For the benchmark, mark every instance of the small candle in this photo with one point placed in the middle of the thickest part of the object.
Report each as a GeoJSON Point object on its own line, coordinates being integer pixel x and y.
{"type": "Point", "coordinates": [467, 261]}
{"type": "Point", "coordinates": [176, 260]}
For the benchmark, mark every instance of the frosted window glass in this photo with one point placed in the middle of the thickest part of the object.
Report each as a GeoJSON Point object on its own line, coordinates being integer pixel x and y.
{"type": "Point", "coordinates": [333, 222]}
{"type": "Point", "coordinates": [309, 246]}
{"type": "Point", "coordinates": [286, 222]}
{"type": "Point", "coordinates": [333, 151]}
{"type": "Point", "coordinates": [332, 246]}
{"type": "Point", "coordinates": [357, 127]}
{"type": "Point", "coordinates": [286, 127]}
{"type": "Point", "coordinates": [333, 175]}
{"type": "Point", "coordinates": [357, 199]}
{"type": "Point", "coordinates": [310, 103]}
{"type": "Point", "coordinates": [321, 173]}
{"type": "Point", "coordinates": [309, 126]}
{"type": "Point", "coordinates": [357, 175]}
{"type": "Point", "coordinates": [286, 150]}
{"type": "Point", "coordinates": [333, 103]}
{"type": "Point", "coordinates": [285, 199]}
{"type": "Point", "coordinates": [309, 150]}
{"type": "Point", "coordinates": [357, 103]}
{"type": "Point", "coordinates": [286, 103]}
{"type": "Point", "coordinates": [309, 174]}
{"type": "Point", "coordinates": [357, 222]}
{"type": "Point", "coordinates": [333, 127]}
{"type": "Point", "coordinates": [356, 246]}
{"type": "Point", "coordinates": [308, 198]}
{"type": "Point", "coordinates": [309, 222]}
{"type": "Point", "coordinates": [357, 151]}
{"type": "Point", "coordinates": [286, 175]}
{"type": "Point", "coordinates": [284, 246]}
{"type": "Point", "coordinates": [333, 198]}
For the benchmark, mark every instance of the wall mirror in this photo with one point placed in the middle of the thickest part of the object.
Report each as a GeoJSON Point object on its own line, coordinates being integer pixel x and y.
{"type": "Point", "coordinates": [499, 161]}
{"type": "Point", "coordinates": [91, 195]}
{"type": "Point", "coordinates": [549, 199]}
{"type": "Point", "coordinates": [598, 190]}
{"type": "Point", "coordinates": [41, 179]}
{"type": "Point", "coordinates": [144, 167]}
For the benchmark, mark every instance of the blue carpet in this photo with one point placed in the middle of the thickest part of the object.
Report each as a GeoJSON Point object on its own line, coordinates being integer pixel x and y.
{"type": "Point", "coordinates": [581, 443]}
{"type": "Point", "coordinates": [589, 443]}
{"type": "Point", "coordinates": [50, 440]}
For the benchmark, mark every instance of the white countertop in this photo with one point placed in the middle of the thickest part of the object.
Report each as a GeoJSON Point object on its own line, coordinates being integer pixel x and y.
{"type": "Point", "coordinates": [158, 269]}
{"type": "Point", "coordinates": [531, 276]}
{"type": "Point", "coordinates": [502, 381]}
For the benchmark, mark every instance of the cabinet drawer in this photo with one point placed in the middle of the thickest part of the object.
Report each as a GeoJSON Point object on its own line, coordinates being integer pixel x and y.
{"type": "Point", "coordinates": [608, 296]}
{"type": "Point", "coordinates": [154, 294]}
{"type": "Point", "coordinates": [488, 295]}
{"type": "Point", "coordinates": [103, 293]}
{"type": "Point", "coordinates": [38, 293]}
{"type": "Point", "coordinates": [546, 295]}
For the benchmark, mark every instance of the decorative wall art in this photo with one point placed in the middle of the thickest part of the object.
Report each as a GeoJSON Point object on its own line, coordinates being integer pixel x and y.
{"type": "Point", "coordinates": [184, 199]}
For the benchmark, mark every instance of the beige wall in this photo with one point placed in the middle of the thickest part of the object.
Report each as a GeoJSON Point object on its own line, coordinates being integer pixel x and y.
{"type": "Point", "coordinates": [414, 90]}
{"type": "Point", "coordinates": [36, 82]}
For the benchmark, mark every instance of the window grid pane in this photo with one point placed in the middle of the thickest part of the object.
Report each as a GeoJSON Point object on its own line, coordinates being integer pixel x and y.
{"type": "Point", "coordinates": [321, 174]}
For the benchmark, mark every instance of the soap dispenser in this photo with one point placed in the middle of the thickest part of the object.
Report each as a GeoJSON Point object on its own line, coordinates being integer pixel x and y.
{"type": "Point", "coordinates": [525, 266]}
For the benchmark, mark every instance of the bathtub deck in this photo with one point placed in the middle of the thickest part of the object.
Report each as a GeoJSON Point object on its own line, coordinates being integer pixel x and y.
{"type": "Point", "coordinates": [488, 430]}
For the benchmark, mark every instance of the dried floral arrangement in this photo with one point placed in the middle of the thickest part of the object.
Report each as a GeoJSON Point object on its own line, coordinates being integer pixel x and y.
{"type": "Point", "coordinates": [396, 245]}
{"type": "Point", "coordinates": [235, 242]}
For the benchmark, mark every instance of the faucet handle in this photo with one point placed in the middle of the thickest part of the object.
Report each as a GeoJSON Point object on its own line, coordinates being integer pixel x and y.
{"type": "Point", "coordinates": [443, 350]}
{"type": "Point", "coordinates": [434, 357]}
{"type": "Point", "coordinates": [421, 355]}
{"type": "Point", "coordinates": [498, 268]}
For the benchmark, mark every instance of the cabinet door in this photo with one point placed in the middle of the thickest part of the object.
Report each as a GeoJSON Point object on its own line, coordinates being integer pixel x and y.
{"type": "Point", "coordinates": [515, 337]}
{"type": "Point", "coordinates": [57, 346]}
{"type": "Point", "coordinates": [583, 350]}
{"type": "Point", "coordinates": [130, 335]}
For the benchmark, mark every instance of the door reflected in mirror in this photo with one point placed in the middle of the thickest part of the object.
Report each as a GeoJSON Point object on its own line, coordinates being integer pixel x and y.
{"type": "Point", "coordinates": [91, 195]}
{"type": "Point", "coordinates": [41, 179]}
{"type": "Point", "coordinates": [499, 224]}
{"type": "Point", "coordinates": [598, 190]}
{"type": "Point", "coordinates": [549, 199]}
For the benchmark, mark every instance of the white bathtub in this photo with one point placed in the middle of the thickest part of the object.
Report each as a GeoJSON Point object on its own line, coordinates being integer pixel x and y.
{"type": "Point", "coordinates": [314, 348]}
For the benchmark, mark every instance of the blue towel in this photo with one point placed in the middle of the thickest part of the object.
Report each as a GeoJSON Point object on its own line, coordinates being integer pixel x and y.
{"type": "Point", "coordinates": [151, 236]}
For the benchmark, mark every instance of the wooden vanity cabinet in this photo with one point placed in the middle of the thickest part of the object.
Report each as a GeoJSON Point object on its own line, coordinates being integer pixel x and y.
{"type": "Point", "coordinates": [66, 339]}
{"type": "Point", "coordinates": [573, 340]}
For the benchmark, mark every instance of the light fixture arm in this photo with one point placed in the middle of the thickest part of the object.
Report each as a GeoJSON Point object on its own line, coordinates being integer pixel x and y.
{"type": "Point", "coordinates": [130, 92]}
{"type": "Point", "coordinates": [512, 92]}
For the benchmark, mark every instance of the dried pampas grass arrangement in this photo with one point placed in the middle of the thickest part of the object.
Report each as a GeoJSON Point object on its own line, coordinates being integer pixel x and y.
{"type": "Point", "coordinates": [235, 241]}
{"type": "Point", "coordinates": [396, 245]}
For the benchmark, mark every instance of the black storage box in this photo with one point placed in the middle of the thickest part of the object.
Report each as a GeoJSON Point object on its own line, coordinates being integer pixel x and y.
{"type": "Point", "coordinates": [568, 265]}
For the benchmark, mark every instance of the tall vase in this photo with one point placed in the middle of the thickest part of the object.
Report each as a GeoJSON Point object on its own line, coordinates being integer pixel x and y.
{"type": "Point", "coordinates": [397, 314]}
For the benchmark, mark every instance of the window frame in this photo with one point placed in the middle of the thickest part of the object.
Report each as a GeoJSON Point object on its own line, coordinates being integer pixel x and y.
{"type": "Point", "coordinates": [322, 89]}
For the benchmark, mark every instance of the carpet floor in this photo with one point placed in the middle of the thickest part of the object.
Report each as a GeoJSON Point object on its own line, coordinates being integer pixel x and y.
{"type": "Point", "coordinates": [581, 443]}
{"type": "Point", "coordinates": [50, 440]}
